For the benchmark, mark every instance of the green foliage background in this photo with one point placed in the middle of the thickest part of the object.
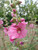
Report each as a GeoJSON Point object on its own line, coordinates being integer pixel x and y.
{"type": "Point", "coordinates": [29, 11]}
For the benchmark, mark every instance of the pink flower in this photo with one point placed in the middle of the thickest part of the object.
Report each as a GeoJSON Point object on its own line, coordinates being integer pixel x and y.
{"type": "Point", "coordinates": [1, 22]}
{"type": "Point", "coordinates": [31, 25]}
{"type": "Point", "coordinates": [12, 33]}
{"type": "Point", "coordinates": [14, 10]}
{"type": "Point", "coordinates": [13, 15]}
{"type": "Point", "coordinates": [22, 19]}
{"type": "Point", "coordinates": [5, 30]}
{"type": "Point", "coordinates": [21, 30]}
{"type": "Point", "coordinates": [17, 31]}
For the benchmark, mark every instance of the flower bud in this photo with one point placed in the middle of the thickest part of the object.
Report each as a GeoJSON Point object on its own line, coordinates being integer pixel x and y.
{"type": "Point", "coordinates": [21, 43]}
{"type": "Point", "coordinates": [11, 20]}
{"type": "Point", "coordinates": [11, 5]}
{"type": "Point", "coordinates": [18, 2]}
{"type": "Point", "coordinates": [14, 10]}
{"type": "Point", "coordinates": [22, 19]}
{"type": "Point", "coordinates": [13, 15]}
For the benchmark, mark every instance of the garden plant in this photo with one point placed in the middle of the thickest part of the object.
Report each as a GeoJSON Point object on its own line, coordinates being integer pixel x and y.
{"type": "Point", "coordinates": [16, 32]}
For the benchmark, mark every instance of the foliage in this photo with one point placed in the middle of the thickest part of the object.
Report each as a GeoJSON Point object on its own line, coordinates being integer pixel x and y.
{"type": "Point", "coordinates": [29, 10]}
{"type": "Point", "coordinates": [5, 11]}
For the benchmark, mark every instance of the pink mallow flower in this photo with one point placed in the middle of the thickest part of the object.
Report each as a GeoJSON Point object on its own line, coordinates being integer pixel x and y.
{"type": "Point", "coordinates": [13, 15]}
{"type": "Point", "coordinates": [31, 25]}
{"type": "Point", "coordinates": [21, 30]}
{"type": "Point", "coordinates": [17, 31]}
{"type": "Point", "coordinates": [12, 33]}
{"type": "Point", "coordinates": [1, 22]}
{"type": "Point", "coordinates": [14, 10]}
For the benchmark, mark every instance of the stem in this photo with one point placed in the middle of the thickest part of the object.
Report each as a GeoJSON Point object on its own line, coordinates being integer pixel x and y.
{"type": "Point", "coordinates": [32, 39]}
{"type": "Point", "coordinates": [14, 45]}
{"type": "Point", "coordinates": [4, 42]}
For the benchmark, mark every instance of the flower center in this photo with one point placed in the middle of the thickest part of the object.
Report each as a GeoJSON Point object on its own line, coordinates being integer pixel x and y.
{"type": "Point", "coordinates": [18, 30]}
